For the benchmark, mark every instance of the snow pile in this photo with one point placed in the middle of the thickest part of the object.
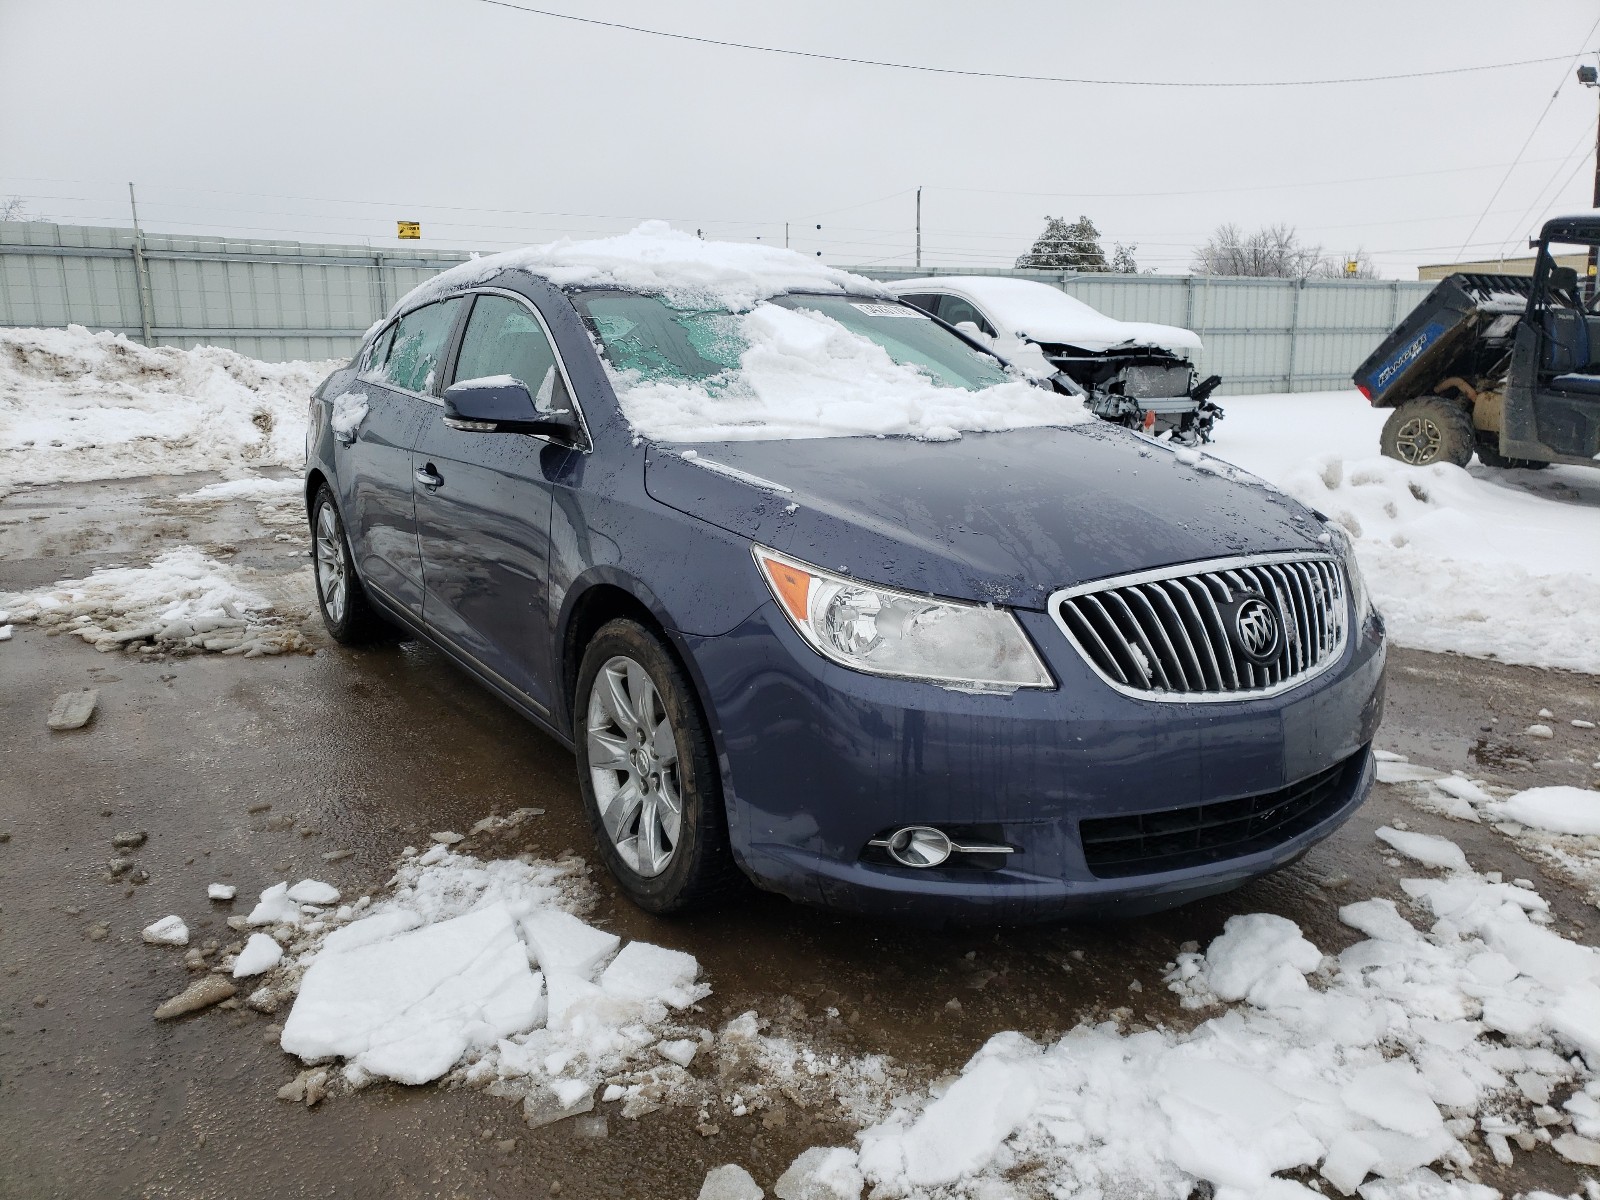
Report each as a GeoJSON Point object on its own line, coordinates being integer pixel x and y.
{"type": "Point", "coordinates": [253, 487]}
{"type": "Point", "coordinates": [1377, 1062]}
{"type": "Point", "coordinates": [480, 968]}
{"type": "Point", "coordinates": [1479, 562]}
{"type": "Point", "coordinates": [183, 601]}
{"type": "Point", "coordinates": [77, 405]}
{"type": "Point", "coordinates": [804, 375]}
{"type": "Point", "coordinates": [655, 258]}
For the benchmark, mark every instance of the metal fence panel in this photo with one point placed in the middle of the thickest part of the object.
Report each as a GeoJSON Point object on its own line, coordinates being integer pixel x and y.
{"type": "Point", "coordinates": [279, 300]}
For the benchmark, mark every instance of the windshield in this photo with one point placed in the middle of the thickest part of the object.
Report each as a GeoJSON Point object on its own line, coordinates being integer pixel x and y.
{"type": "Point", "coordinates": [644, 334]}
{"type": "Point", "coordinates": [802, 365]}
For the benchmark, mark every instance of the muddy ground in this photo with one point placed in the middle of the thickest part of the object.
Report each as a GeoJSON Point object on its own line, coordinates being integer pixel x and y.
{"type": "Point", "coordinates": [371, 751]}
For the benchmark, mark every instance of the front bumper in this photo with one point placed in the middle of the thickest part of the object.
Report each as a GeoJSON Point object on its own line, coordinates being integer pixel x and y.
{"type": "Point", "coordinates": [817, 760]}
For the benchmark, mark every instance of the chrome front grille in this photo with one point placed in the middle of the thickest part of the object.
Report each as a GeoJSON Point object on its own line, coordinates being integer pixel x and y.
{"type": "Point", "coordinates": [1195, 632]}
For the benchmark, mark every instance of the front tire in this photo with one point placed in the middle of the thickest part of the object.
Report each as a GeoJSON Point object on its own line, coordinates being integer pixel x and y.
{"type": "Point", "coordinates": [648, 775]}
{"type": "Point", "coordinates": [345, 609]}
{"type": "Point", "coordinates": [1427, 430]}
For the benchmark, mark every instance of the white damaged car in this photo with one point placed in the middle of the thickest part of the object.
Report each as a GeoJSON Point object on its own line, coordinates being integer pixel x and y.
{"type": "Point", "coordinates": [1134, 373]}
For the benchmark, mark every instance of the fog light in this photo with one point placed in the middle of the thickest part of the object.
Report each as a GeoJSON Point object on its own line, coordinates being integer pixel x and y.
{"type": "Point", "coordinates": [919, 846]}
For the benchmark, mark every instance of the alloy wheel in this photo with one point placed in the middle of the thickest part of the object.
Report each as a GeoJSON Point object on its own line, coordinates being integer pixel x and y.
{"type": "Point", "coordinates": [331, 580]}
{"type": "Point", "coordinates": [633, 765]}
{"type": "Point", "coordinates": [1418, 441]}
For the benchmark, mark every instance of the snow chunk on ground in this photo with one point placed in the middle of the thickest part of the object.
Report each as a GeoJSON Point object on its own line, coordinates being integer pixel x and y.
{"type": "Point", "coordinates": [645, 972]}
{"type": "Point", "coordinates": [1571, 810]}
{"type": "Point", "coordinates": [184, 600]}
{"type": "Point", "coordinates": [221, 891]}
{"type": "Point", "coordinates": [314, 891]}
{"type": "Point", "coordinates": [438, 978]}
{"type": "Point", "coordinates": [561, 944]}
{"type": "Point", "coordinates": [169, 931]}
{"type": "Point", "coordinates": [1251, 948]}
{"type": "Point", "coordinates": [1348, 1074]}
{"type": "Point", "coordinates": [275, 908]}
{"type": "Point", "coordinates": [821, 1173]}
{"type": "Point", "coordinates": [730, 1182]}
{"type": "Point", "coordinates": [261, 953]}
{"type": "Point", "coordinates": [408, 1007]}
{"type": "Point", "coordinates": [77, 405]}
{"type": "Point", "coordinates": [258, 488]}
{"type": "Point", "coordinates": [1425, 848]}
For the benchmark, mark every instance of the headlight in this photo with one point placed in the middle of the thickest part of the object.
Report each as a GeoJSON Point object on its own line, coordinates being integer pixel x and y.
{"type": "Point", "coordinates": [886, 632]}
{"type": "Point", "coordinates": [1346, 546]}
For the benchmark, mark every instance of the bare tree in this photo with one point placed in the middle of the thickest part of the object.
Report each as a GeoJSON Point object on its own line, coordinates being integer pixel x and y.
{"type": "Point", "coordinates": [14, 208]}
{"type": "Point", "coordinates": [1356, 264]}
{"type": "Point", "coordinates": [1271, 252]}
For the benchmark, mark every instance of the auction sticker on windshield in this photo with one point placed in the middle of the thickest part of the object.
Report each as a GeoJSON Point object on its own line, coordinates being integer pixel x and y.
{"type": "Point", "coordinates": [889, 310]}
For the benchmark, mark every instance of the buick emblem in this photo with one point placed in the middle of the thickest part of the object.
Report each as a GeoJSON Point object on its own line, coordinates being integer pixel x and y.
{"type": "Point", "coordinates": [1256, 630]}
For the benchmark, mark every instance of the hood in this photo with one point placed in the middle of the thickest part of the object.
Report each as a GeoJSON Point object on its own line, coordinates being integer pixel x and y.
{"type": "Point", "coordinates": [993, 517]}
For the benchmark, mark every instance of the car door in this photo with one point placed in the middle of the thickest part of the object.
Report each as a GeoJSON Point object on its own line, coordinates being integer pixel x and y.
{"type": "Point", "coordinates": [483, 506]}
{"type": "Point", "coordinates": [372, 455]}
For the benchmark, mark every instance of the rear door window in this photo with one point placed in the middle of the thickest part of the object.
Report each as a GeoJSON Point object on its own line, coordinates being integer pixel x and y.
{"type": "Point", "coordinates": [419, 344]}
{"type": "Point", "coordinates": [504, 338]}
{"type": "Point", "coordinates": [927, 301]}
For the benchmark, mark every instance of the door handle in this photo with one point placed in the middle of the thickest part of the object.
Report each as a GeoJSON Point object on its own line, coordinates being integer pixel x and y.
{"type": "Point", "coordinates": [429, 478]}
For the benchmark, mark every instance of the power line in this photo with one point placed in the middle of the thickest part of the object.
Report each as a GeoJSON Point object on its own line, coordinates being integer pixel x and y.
{"type": "Point", "coordinates": [1583, 149]}
{"type": "Point", "coordinates": [1550, 103]}
{"type": "Point", "coordinates": [900, 66]}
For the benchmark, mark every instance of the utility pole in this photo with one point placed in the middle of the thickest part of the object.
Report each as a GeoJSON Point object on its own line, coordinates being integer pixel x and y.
{"type": "Point", "coordinates": [141, 269]}
{"type": "Point", "coordinates": [1590, 77]}
{"type": "Point", "coordinates": [919, 226]}
{"type": "Point", "coordinates": [786, 235]}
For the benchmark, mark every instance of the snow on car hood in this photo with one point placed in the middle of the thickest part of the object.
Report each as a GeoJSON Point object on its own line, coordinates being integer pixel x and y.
{"type": "Point", "coordinates": [1045, 314]}
{"type": "Point", "coordinates": [998, 517]}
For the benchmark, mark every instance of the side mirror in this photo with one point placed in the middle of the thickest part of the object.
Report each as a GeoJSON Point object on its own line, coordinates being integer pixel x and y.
{"type": "Point", "coordinates": [501, 404]}
{"type": "Point", "coordinates": [970, 328]}
{"type": "Point", "coordinates": [1563, 279]}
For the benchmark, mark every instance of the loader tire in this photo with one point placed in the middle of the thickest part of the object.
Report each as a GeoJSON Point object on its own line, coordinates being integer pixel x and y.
{"type": "Point", "coordinates": [1427, 430]}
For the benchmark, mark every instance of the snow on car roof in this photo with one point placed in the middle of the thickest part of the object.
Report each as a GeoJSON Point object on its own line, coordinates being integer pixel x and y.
{"type": "Point", "coordinates": [1046, 314]}
{"type": "Point", "coordinates": [656, 259]}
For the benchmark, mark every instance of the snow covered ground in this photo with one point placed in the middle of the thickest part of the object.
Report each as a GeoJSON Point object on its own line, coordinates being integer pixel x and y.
{"type": "Point", "coordinates": [1494, 564]}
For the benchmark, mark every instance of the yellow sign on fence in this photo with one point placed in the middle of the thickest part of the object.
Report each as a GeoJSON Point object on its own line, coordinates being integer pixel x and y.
{"type": "Point", "coordinates": [410, 231]}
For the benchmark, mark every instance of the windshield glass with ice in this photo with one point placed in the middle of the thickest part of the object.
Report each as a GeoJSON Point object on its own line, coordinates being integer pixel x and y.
{"type": "Point", "coordinates": [799, 366]}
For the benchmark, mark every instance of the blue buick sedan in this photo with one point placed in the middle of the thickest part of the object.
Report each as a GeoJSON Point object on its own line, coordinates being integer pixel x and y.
{"type": "Point", "coordinates": [825, 596]}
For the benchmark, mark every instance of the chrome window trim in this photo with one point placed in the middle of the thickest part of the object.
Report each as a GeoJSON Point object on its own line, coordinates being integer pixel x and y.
{"type": "Point", "coordinates": [1204, 567]}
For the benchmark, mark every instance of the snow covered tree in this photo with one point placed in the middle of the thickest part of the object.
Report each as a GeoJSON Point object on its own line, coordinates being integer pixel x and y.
{"type": "Point", "coordinates": [1122, 260]}
{"type": "Point", "coordinates": [12, 208]}
{"type": "Point", "coordinates": [1066, 247]}
{"type": "Point", "coordinates": [1271, 252]}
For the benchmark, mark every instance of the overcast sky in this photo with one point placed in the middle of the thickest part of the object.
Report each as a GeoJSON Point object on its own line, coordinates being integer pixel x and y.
{"type": "Point", "coordinates": [328, 120]}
